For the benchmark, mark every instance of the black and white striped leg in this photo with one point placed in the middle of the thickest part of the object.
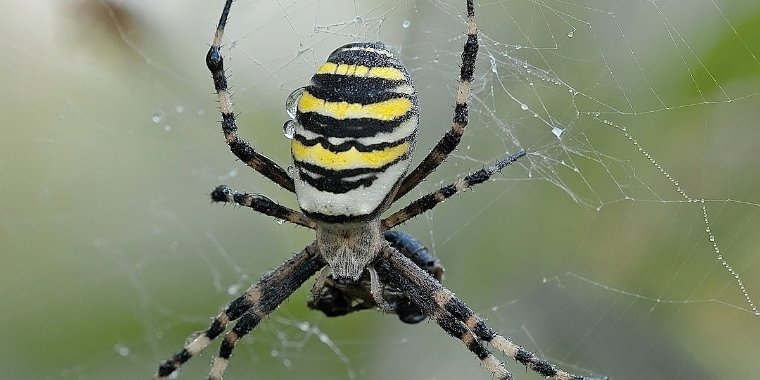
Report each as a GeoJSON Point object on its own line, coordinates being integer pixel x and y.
{"type": "Point", "coordinates": [408, 311]}
{"type": "Point", "coordinates": [424, 291]}
{"type": "Point", "coordinates": [456, 307]}
{"type": "Point", "coordinates": [459, 320]}
{"type": "Point", "coordinates": [238, 146]}
{"type": "Point", "coordinates": [262, 204]}
{"type": "Point", "coordinates": [451, 139]}
{"type": "Point", "coordinates": [256, 303]}
{"type": "Point", "coordinates": [431, 200]}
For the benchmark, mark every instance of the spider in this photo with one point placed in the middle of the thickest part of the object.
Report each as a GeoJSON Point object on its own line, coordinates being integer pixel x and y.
{"type": "Point", "coordinates": [353, 130]}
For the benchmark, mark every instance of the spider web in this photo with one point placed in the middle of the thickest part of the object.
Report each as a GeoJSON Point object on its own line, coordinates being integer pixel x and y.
{"type": "Point", "coordinates": [624, 244]}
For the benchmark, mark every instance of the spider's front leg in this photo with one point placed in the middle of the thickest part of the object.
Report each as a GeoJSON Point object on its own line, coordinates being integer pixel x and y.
{"type": "Point", "coordinates": [460, 321]}
{"type": "Point", "coordinates": [336, 299]}
{"type": "Point", "coordinates": [239, 147]}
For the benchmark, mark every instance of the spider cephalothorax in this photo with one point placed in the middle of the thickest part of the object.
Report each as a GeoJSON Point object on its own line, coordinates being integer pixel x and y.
{"type": "Point", "coordinates": [353, 131]}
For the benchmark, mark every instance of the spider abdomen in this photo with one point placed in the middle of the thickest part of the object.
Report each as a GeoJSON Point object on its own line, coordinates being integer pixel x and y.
{"type": "Point", "coordinates": [355, 129]}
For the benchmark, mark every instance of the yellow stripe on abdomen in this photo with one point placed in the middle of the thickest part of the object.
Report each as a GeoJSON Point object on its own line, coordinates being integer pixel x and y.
{"type": "Point", "coordinates": [382, 72]}
{"type": "Point", "coordinates": [386, 110]}
{"type": "Point", "coordinates": [350, 159]}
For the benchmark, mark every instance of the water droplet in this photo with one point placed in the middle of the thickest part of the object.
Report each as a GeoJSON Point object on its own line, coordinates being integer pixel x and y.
{"type": "Point", "coordinates": [156, 118]}
{"type": "Point", "coordinates": [524, 107]}
{"type": "Point", "coordinates": [292, 103]}
{"type": "Point", "coordinates": [179, 109]}
{"type": "Point", "coordinates": [168, 127]}
{"type": "Point", "coordinates": [279, 221]}
{"type": "Point", "coordinates": [406, 24]}
{"type": "Point", "coordinates": [233, 289]}
{"type": "Point", "coordinates": [558, 131]}
{"type": "Point", "coordinates": [358, 19]}
{"type": "Point", "coordinates": [289, 129]}
{"type": "Point", "coordinates": [570, 34]}
{"type": "Point", "coordinates": [121, 349]}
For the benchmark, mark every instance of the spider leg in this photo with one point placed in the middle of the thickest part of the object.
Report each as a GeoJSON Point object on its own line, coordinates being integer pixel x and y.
{"type": "Point", "coordinates": [451, 139]}
{"type": "Point", "coordinates": [504, 345]}
{"type": "Point", "coordinates": [425, 292]}
{"type": "Point", "coordinates": [451, 314]}
{"type": "Point", "coordinates": [251, 307]}
{"type": "Point", "coordinates": [408, 311]}
{"type": "Point", "coordinates": [238, 146]}
{"type": "Point", "coordinates": [261, 204]}
{"type": "Point", "coordinates": [376, 290]}
{"type": "Point", "coordinates": [431, 200]}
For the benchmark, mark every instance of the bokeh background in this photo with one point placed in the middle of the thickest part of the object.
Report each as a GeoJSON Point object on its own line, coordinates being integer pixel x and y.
{"type": "Point", "coordinates": [587, 252]}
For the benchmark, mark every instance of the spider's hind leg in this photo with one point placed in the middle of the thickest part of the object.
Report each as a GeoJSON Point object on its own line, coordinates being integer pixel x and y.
{"type": "Point", "coordinates": [334, 299]}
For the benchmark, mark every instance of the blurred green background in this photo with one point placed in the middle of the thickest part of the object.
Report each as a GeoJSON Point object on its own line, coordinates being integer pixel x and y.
{"type": "Point", "coordinates": [586, 252]}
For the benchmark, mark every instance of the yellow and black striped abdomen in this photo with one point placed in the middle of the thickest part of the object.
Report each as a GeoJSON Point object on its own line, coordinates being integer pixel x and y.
{"type": "Point", "coordinates": [356, 124]}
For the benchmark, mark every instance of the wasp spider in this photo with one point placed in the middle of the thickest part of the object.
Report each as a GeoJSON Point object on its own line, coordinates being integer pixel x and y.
{"type": "Point", "coordinates": [353, 132]}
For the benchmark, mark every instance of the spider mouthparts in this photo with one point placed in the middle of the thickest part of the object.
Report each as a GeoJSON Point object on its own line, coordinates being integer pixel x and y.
{"type": "Point", "coordinates": [345, 280]}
